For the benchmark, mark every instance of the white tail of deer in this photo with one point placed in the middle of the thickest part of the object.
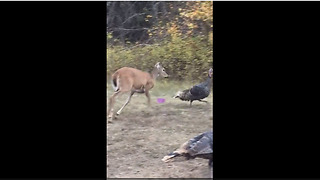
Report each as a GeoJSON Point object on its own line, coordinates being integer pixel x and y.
{"type": "Point", "coordinates": [132, 80]}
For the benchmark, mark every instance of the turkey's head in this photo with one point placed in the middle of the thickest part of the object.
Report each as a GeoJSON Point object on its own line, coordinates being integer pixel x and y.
{"type": "Point", "coordinates": [177, 95]}
{"type": "Point", "coordinates": [210, 72]}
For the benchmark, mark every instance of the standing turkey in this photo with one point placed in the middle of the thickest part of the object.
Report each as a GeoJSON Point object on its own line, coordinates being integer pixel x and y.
{"type": "Point", "coordinates": [197, 92]}
{"type": "Point", "coordinates": [200, 146]}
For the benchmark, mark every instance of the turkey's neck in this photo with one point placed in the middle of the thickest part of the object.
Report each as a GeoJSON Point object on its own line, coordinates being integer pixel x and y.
{"type": "Point", "coordinates": [208, 81]}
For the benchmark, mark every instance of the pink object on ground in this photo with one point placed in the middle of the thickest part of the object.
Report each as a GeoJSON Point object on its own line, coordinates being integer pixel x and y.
{"type": "Point", "coordinates": [161, 100]}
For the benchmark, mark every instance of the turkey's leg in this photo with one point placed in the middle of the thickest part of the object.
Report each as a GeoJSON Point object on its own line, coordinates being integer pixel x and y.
{"type": "Point", "coordinates": [203, 101]}
{"type": "Point", "coordinates": [190, 103]}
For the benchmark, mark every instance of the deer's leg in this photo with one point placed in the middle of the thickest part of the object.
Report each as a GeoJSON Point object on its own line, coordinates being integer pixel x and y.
{"type": "Point", "coordinates": [128, 100]}
{"type": "Point", "coordinates": [148, 96]}
{"type": "Point", "coordinates": [190, 103]}
{"type": "Point", "coordinates": [111, 104]}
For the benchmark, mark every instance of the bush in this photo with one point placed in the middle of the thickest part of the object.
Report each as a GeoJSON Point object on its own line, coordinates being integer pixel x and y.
{"type": "Point", "coordinates": [184, 59]}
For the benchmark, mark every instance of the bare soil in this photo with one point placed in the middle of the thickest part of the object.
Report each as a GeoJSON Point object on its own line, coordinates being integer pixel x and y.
{"type": "Point", "coordinates": [141, 136]}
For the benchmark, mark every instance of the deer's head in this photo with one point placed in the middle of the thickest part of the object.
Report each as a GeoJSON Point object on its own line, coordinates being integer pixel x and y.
{"type": "Point", "coordinates": [160, 71]}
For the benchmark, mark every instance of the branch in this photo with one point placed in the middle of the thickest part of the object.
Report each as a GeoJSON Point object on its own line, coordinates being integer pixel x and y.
{"type": "Point", "coordinates": [133, 17]}
{"type": "Point", "coordinates": [139, 45]}
{"type": "Point", "coordinates": [125, 29]}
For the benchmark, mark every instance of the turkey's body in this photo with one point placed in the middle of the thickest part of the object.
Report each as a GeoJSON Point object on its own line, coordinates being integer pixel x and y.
{"type": "Point", "coordinates": [200, 146]}
{"type": "Point", "coordinates": [197, 92]}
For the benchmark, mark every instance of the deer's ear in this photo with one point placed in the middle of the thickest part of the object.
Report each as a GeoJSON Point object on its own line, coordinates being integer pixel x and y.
{"type": "Point", "coordinates": [157, 65]}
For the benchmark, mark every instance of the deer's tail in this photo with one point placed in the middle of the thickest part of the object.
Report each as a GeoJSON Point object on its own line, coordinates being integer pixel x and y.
{"type": "Point", "coordinates": [115, 82]}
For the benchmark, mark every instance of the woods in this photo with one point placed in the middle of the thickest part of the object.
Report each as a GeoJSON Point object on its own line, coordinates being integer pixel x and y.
{"type": "Point", "coordinates": [178, 34]}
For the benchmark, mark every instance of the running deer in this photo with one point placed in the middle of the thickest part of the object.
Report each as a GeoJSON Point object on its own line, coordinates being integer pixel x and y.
{"type": "Point", "coordinates": [130, 79]}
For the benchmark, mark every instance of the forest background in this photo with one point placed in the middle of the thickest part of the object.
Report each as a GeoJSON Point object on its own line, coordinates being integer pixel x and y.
{"type": "Point", "coordinates": [177, 34]}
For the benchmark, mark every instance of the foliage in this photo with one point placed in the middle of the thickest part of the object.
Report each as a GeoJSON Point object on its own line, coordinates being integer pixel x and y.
{"type": "Point", "coordinates": [184, 59]}
{"type": "Point", "coordinates": [177, 34]}
{"type": "Point", "coordinates": [133, 22]}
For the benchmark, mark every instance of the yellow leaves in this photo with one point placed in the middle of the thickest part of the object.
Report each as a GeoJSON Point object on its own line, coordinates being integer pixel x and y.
{"type": "Point", "coordinates": [148, 16]}
{"type": "Point", "coordinates": [184, 21]}
{"type": "Point", "coordinates": [190, 25]}
{"type": "Point", "coordinates": [109, 36]}
{"type": "Point", "coordinates": [198, 11]}
{"type": "Point", "coordinates": [173, 29]}
{"type": "Point", "coordinates": [187, 15]}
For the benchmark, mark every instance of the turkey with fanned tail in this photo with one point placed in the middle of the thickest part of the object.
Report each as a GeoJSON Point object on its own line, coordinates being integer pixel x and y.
{"type": "Point", "coordinates": [200, 146]}
{"type": "Point", "coordinates": [197, 92]}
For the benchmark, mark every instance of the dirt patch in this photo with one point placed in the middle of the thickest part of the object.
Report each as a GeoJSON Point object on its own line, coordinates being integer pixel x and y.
{"type": "Point", "coordinates": [141, 136]}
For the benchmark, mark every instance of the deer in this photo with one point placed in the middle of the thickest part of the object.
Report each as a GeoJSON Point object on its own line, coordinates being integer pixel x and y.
{"type": "Point", "coordinates": [127, 79]}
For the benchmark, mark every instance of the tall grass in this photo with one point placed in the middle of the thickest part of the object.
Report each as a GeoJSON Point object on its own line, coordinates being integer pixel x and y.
{"type": "Point", "coordinates": [184, 59]}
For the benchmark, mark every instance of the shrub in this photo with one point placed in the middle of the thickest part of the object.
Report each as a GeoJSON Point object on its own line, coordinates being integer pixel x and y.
{"type": "Point", "coordinates": [184, 59]}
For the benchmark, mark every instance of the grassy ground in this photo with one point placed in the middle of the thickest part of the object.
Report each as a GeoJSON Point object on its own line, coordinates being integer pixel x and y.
{"type": "Point", "coordinates": [141, 136]}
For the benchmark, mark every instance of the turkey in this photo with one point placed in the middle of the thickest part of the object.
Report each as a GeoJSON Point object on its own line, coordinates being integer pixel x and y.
{"type": "Point", "coordinates": [197, 92]}
{"type": "Point", "coordinates": [200, 146]}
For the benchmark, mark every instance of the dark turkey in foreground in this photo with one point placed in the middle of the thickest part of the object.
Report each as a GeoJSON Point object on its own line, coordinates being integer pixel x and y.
{"type": "Point", "coordinates": [200, 146]}
{"type": "Point", "coordinates": [197, 92]}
